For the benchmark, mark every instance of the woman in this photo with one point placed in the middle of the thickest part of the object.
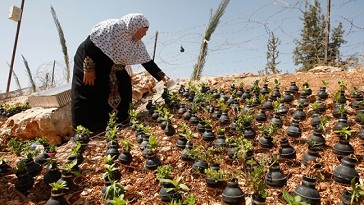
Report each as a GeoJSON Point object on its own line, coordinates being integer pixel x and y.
{"type": "Point", "coordinates": [100, 83]}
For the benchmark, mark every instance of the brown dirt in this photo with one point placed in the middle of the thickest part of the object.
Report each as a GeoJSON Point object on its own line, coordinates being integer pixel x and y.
{"type": "Point", "coordinates": [140, 183]}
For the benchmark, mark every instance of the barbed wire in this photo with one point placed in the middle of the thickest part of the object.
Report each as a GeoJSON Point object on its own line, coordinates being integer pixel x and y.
{"type": "Point", "coordinates": [250, 31]}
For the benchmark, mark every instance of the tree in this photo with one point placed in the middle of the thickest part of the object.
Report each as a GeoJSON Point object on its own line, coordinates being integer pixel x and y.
{"type": "Point", "coordinates": [310, 50]}
{"type": "Point", "coordinates": [272, 55]}
{"type": "Point", "coordinates": [31, 80]}
{"type": "Point", "coordinates": [214, 21]}
{"type": "Point", "coordinates": [337, 40]}
{"type": "Point", "coordinates": [63, 43]}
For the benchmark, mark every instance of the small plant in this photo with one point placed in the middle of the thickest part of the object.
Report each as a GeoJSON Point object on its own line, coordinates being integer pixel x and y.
{"type": "Point", "coordinates": [153, 143]}
{"type": "Point", "coordinates": [208, 122]}
{"type": "Point", "coordinates": [322, 125]}
{"type": "Point", "coordinates": [111, 133]}
{"type": "Point", "coordinates": [164, 172]}
{"type": "Point", "coordinates": [110, 171]}
{"type": "Point", "coordinates": [114, 190]}
{"type": "Point", "coordinates": [190, 200]}
{"type": "Point", "coordinates": [126, 145]}
{"type": "Point", "coordinates": [345, 132]}
{"type": "Point", "coordinates": [269, 130]}
{"type": "Point", "coordinates": [276, 83]}
{"type": "Point", "coordinates": [357, 192]}
{"type": "Point", "coordinates": [109, 159]}
{"type": "Point", "coordinates": [58, 186]}
{"type": "Point", "coordinates": [76, 149]}
{"type": "Point", "coordinates": [276, 104]}
{"type": "Point", "coordinates": [118, 200]}
{"type": "Point", "coordinates": [83, 131]}
{"type": "Point", "coordinates": [255, 179]}
{"type": "Point", "coordinates": [132, 113]}
{"type": "Point", "coordinates": [293, 200]}
{"type": "Point", "coordinates": [21, 167]}
{"type": "Point", "coordinates": [242, 146]}
{"type": "Point", "coordinates": [342, 85]}
{"type": "Point", "coordinates": [16, 146]}
{"type": "Point", "coordinates": [30, 152]}
{"type": "Point", "coordinates": [198, 152]}
{"type": "Point", "coordinates": [68, 167]}
{"type": "Point", "coordinates": [220, 130]}
{"type": "Point", "coordinates": [178, 187]}
{"type": "Point", "coordinates": [360, 117]}
{"type": "Point", "coordinates": [325, 83]}
{"type": "Point", "coordinates": [341, 110]}
{"type": "Point", "coordinates": [52, 163]}
{"type": "Point", "coordinates": [217, 175]}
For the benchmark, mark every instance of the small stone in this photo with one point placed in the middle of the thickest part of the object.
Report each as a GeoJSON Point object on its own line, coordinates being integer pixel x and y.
{"type": "Point", "coordinates": [85, 192]}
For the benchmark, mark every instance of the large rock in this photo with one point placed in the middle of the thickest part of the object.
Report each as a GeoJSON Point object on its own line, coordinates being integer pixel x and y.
{"type": "Point", "coordinates": [52, 123]}
{"type": "Point", "coordinates": [143, 82]}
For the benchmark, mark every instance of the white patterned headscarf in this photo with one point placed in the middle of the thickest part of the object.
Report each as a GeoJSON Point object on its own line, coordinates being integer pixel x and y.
{"type": "Point", "coordinates": [115, 38]}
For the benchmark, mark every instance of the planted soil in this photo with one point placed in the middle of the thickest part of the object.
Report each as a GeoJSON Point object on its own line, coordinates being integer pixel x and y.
{"type": "Point", "coordinates": [141, 185]}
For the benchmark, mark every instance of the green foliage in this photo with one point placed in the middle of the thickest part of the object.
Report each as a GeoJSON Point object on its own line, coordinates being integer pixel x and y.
{"type": "Point", "coordinates": [310, 48]}
{"type": "Point", "coordinates": [198, 152]}
{"type": "Point", "coordinates": [242, 146]}
{"type": "Point", "coordinates": [114, 190]}
{"type": "Point", "coordinates": [164, 172]}
{"type": "Point", "coordinates": [293, 200]}
{"type": "Point", "coordinates": [357, 192]}
{"type": "Point", "coordinates": [109, 159]}
{"type": "Point", "coordinates": [361, 117]}
{"type": "Point", "coordinates": [337, 39]}
{"type": "Point", "coordinates": [21, 166]}
{"type": "Point", "coordinates": [83, 131]}
{"type": "Point", "coordinates": [112, 120]}
{"type": "Point", "coordinates": [276, 82]}
{"type": "Point", "coordinates": [255, 179]}
{"type": "Point", "coordinates": [345, 132]}
{"type": "Point", "coordinates": [190, 200]}
{"type": "Point", "coordinates": [111, 133]}
{"type": "Point", "coordinates": [153, 143]}
{"type": "Point", "coordinates": [269, 130]}
{"type": "Point", "coordinates": [69, 166]}
{"type": "Point", "coordinates": [217, 175]}
{"type": "Point", "coordinates": [272, 55]}
{"type": "Point", "coordinates": [29, 73]}
{"type": "Point", "coordinates": [342, 85]}
{"type": "Point", "coordinates": [325, 83]}
{"type": "Point", "coordinates": [126, 145]}
{"type": "Point", "coordinates": [75, 150]}
{"type": "Point", "coordinates": [118, 200]}
{"type": "Point", "coordinates": [214, 21]}
{"type": "Point", "coordinates": [178, 187]}
{"type": "Point", "coordinates": [63, 43]}
{"type": "Point", "coordinates": [58, 186]}
{"type": "Point", "coordinates": [16, 146]}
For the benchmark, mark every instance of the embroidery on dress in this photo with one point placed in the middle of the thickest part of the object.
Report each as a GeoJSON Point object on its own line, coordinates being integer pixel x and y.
{"type": "Point", "coordinates": [114, 96]}
{"type": "Point", "coordinates": [88, 64]}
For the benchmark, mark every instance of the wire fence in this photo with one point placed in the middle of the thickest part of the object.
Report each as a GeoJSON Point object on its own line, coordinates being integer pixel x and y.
{"type": "Point", "coordinates": [239, 44]}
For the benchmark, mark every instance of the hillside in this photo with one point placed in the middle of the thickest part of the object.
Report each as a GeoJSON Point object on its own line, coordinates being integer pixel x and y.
{"type": "Point", "coordinates": [140, 183]}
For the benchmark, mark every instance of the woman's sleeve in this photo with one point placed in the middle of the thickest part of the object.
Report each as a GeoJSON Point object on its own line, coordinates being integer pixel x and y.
{"type": "Point", "coordinates": [154, 70]}
{"type": "Point", "coordinates": [91, 54]}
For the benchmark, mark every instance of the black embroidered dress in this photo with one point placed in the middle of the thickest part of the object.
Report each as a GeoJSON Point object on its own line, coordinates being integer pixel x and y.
{"type": "Point", "coordinates": [111, 92]}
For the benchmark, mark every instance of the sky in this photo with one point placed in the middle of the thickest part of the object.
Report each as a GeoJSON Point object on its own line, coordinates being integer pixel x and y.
{"type": "Point", "coordinates": [237, 46]}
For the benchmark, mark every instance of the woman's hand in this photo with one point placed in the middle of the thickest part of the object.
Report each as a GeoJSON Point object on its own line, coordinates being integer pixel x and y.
{"type": "Point", "coordinates": [89, 77]}
{"type": "Point", "coordinates": [165, 78]}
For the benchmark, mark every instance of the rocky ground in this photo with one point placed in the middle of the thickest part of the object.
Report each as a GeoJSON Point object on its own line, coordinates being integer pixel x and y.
{"type": "Point", "coordinates": [140, 183]}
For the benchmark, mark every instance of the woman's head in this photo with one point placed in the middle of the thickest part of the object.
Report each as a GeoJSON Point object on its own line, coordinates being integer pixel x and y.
{"type": "Point", "coordinates": [137, 24]}
{"type": "Point", "coordinates": [120, 38]}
